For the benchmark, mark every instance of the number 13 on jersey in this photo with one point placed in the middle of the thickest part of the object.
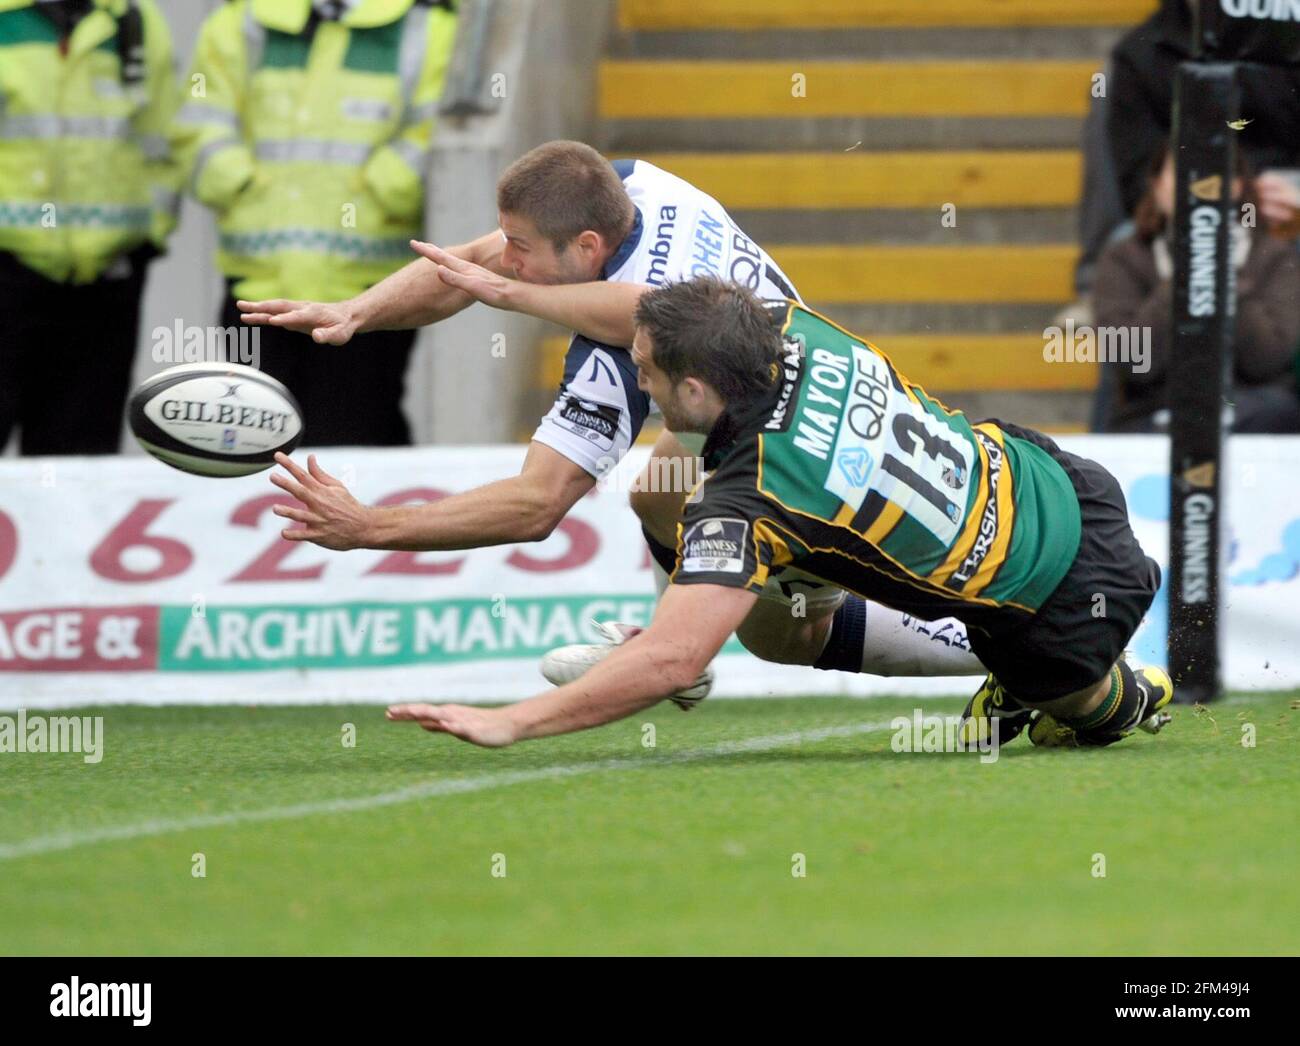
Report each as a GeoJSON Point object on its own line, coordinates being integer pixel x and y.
{"type": "Point", "coordinates": [890, 444]}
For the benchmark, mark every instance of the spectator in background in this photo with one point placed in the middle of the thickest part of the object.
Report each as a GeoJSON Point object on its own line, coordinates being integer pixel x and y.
{"type": "Point", "coordinates": [1144, 66]}
{"type": "Point", "coordinates": [1134, 289]}
{"type": "Point", "coordinates": [307, 130]}
{"type": "Point", "coordinates": [1101, 211]}
{"type": "Point", "coordinates": [87, 199]}
{"type": "Point", "coordinates": [1126, 125]}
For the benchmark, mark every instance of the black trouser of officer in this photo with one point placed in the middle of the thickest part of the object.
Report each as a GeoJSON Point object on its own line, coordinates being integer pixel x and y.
{"type": "Point", "coordinates": [66, 352]}
{"type": "Point", "coordinates": [350, 395]}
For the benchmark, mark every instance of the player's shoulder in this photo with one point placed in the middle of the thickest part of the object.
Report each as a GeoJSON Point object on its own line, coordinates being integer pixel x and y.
{"type": "Point", "coordinates": [731, 480]}
{"type": "Point", "coordinates": [641, 178]}
{"type": "Point", "coordinates": [643, 170]}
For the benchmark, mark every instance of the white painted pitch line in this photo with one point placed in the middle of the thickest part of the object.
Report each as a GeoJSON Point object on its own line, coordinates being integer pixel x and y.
{"type": "Point", "coordinates": [43, 844]}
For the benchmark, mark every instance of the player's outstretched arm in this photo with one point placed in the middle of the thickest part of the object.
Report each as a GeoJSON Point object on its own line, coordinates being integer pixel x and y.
{"type": "Point", "coordinates": [689, 628]}
{"type": "Point", "coordinates": [413, 296]}
{"type": "Point", "coordinates": [525, 507]}
{"type": "Point", "coordinates": [601, 311]}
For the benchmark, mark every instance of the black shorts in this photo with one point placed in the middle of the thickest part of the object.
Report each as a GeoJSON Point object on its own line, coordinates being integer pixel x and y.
{"type": "Point", "coordinates": [1085, 624]}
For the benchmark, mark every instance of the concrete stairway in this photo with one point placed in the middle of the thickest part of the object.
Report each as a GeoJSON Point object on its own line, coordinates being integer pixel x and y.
{"type": "Point", "coordinates": [837, 131]}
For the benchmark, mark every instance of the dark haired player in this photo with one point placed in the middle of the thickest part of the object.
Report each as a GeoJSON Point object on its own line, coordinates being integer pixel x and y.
{"type": "Point", "coordinates": [824, 459]}
{"type": "Point", "coordinates": [580, 240]}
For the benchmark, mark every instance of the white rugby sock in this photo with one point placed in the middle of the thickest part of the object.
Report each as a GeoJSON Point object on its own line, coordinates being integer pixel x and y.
{"type": "Point", "coordinates": [897, 644]}
{"type": "Point", "coordinates": [867, 637]}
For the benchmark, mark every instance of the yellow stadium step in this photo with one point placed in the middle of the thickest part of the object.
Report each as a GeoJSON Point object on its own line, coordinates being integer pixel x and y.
{"type": "Point", "coordinates": [657, 15]}
{"type": "Point", "coordinates": [983, 363]}
{"type": "Point", "coordinates": [647, 89]}
{"type": "Point", "coordinates": [827, 181]}
{"type": "Point", "coordinates": [1019, 273]}
{"type": "Point", "coordinates": [964, 362]}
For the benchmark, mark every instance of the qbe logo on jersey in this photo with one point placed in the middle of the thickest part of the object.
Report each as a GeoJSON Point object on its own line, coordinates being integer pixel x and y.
{"type": "Point", "coordinates": [597, 422]}
{"type": "Point", "coordinates": [715, 546]}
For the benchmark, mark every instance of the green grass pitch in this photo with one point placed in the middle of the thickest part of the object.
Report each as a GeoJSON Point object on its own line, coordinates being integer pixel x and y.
{"type": "Point", "coordinates": [609, 846]}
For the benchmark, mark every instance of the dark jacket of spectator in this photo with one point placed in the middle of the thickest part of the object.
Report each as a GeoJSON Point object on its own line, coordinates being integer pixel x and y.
{"type": "Point", "coordinates": [1144, 66]}
{"type": "Point", "coordinates": [1131, 292]}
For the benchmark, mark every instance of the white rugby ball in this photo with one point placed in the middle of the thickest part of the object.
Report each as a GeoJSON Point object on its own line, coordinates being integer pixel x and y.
{"type": "Point", "coordinates": [215, 419]}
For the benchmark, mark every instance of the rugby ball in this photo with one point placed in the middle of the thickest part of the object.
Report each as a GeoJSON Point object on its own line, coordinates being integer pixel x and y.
{"type": "Point", "coordinates": [215, 419]}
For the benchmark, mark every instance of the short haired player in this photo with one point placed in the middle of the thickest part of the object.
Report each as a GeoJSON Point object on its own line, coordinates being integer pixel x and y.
{"type": "Point", "coordinates": [580, 240]}
{"type": "Point", "coordinates": [823, 458]}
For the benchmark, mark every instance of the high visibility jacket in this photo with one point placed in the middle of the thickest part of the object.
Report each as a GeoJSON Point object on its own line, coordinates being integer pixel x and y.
{"type": "Point", "coordinates": [310, 139]}
{"type": "Point", "coordinates": [85, 173]}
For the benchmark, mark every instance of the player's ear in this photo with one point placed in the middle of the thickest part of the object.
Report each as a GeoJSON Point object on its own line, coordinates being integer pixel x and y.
{"type": "Point", "coordinates": [590, 242]}
{"type": "Point", "coordinates": [695, 390]}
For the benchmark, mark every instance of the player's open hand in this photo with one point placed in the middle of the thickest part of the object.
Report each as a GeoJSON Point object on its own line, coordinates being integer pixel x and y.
{"type": "Point", "coordinates": [479, 283]}
{"type": "Point", "coordinates": [327, 323]}
{"type": "Point", "coordinates": [326, 513]}
{"type": "Point", "coordinates": [485, 727]}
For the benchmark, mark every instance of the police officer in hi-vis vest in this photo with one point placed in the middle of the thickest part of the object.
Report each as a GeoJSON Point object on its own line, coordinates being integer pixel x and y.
{"type": "Point", "coordinates": [306, 128]}
{"type": "Point", "coordinates": [87, 197]}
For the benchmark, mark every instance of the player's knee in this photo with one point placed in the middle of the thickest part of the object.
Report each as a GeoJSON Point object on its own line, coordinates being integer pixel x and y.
{"type": "Point", "coordinates": [642, 502]}
{"type": "Point", "coordinates": [657, 513]}
{"type": "Point", "coordinates": [782, 646]}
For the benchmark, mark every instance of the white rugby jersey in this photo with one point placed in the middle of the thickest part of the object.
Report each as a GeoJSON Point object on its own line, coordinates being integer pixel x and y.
{"type": "Point", "coordinates": [678, 233]}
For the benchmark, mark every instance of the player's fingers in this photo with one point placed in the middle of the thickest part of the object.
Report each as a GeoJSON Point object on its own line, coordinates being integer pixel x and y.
{"type": "Point", "coordinates": [458, 720]}
{"type": "Point", "coordinates": [299, 533]}
{"type": "Point", "coordinates": [426, 717]}
{"type": "Point", "coordinates": [288, 485]}
{"type": "Point", "coordinates": [436, 254]}
{"type": "Point", "coordinates": [296, 318]}
{"type": "Point", "coordinates": [271, 305]}
{"type": "Point", "coordinates": [298, 514]}
{"type": "Point", "coordinates": [313, 466]}
{"type": "Point", "coordinates": [293, 468]}
{"type": "Point", "coordinates": [411, 712]}
{"type": "Point", "coordinates": [455, 279]}
{"type": "Point", "coordinates": [293, 489]}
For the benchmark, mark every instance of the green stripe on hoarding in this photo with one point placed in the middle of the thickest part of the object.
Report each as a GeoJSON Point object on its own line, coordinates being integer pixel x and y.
{"type": "Point", "coordinates": [367, 635]}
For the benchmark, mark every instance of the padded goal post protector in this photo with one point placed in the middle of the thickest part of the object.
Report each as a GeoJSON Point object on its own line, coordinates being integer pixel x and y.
{"type": "Point", "coordinates": [1207, 98]}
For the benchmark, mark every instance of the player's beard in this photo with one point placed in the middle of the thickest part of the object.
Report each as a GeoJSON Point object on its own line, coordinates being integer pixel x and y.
{"type": "Point", "coordinates": [566, 272]}
{"type": "Point", "coordinates": [569, 270]}
{"type": "Point", "coordinates": [679, 418]}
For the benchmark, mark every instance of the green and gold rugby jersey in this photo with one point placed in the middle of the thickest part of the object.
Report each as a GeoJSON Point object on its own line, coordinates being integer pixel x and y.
{"type": "Point", "coordinates": [852, 474]}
